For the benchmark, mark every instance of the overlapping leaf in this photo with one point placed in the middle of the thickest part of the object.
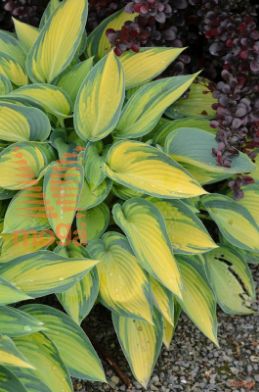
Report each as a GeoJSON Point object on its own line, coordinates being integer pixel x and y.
{"type": "Point", "coordinates": [234, 221]}
{"type": "Point", "coordinates": [145, 229]}
{"type": "Point", "coordinates": [123, 285]}
{"type": "Point", "coordinates": [14, 322]}
{"type": "Point", "coordinates": [71, 80]}
{"type": "Point", "coordinates": [48, 365]}
{"type": "Point", "coordinates": [141, 343]}
{"type": "Point", "coordinates": [251, 200]}
{"type": "Point", "coordinates": [12, 70]}
{"type": "Point", "coordinates": [198, 300]}
{"type": "Point", "coordinates": [146, 106]}
{"type": "Point", "coordinates": [26, 212]}
{"type": "Point", "coordinates": [46, 96]}
{"type": "Point", "coordinates": [197, 153]}
{"type": "Point", "coordinates": [9, 382]}
{"type": "Point", "coordinates": [164, 300]}
{"type": "Point", "coordinates": [98, 43]}
{"type": "Point", "coordinates": [79, 299]}
{"type": "Point", "coordinates": [62, 188]}
{"type": "Point", "coordinates": [231, 280]}
{"type": "Point", "coordinates": [5, 85]}
{"type": "Point", "coordinates": [147, 169]}
{"type": "Point", "coordinates": [99, 100]}
{"type": "Point", "coordinates": [11, 356]}
{"type": "Point", "coordinates": [91, 196]}
{"type": "Point", "coordinates": [141, 67]}
{"type": "Point", "coordinates": [22, 164]}
{"type": "Point", "coordinates": [26, 33]}
{"type": "Point", "coordinates": [10, 46]}
{"type": "Point", "coordinates": [94, 164]}
{"type": "Point", "coordinates": [24, 242]}
{"type": "Point", "coordinates": [56, 45]}
{"type": "Point", "coordinates": [198, 103]}
{"type": "Point", "coordinates": [166, 126]}
{"type": "Point", "coordinates": [9, 293]}
{"type": "Point", "coordinates": [91, 224]}
{"type": "Point", "coordinates": [19, 123]}
{"type": "Point", "coordinates": [30, 380]}
{"type": "Point", "coordinates": [186, 231]}
{"type": "Point", "coordinates": [45, 272]}
{"type": "Point", "coordinates": [75, 349]}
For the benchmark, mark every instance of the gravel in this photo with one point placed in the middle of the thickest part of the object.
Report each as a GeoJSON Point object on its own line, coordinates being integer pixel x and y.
{"type": "Point", "coordinates": [192, 364]}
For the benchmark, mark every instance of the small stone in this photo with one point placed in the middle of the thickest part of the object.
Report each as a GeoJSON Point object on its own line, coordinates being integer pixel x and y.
{"type": "Point", "coordinates": [115, 380]}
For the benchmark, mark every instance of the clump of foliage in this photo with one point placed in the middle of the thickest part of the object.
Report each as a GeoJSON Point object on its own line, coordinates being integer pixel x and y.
{"type": "Point", "coordinates": [224, 40]}
{"type": "Point", "coordinates": [103, 198]}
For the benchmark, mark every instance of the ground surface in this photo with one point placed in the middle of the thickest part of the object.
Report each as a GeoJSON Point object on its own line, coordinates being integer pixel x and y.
{"type": "Point", "coordinates": [192, 364]}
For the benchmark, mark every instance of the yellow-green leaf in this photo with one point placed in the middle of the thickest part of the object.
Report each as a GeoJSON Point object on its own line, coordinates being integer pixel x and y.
{"type": "Point", "coordinates": [10, 294]}
{"type": "Point", "coordinates": [79, 299]}
{"type": "Point", "coordinates": [124, 193]}
{"type": "Point", "coordinates": [231, 280]}
{"type": "Point", "coordinates": [19, 123]}
{"type": "Point", "coordinates": [198, 152]}
{"type": "Point", "coordinates": [98, 43]}
{"type": "Point", "coordinates": [71, 80]}
{"type": "Point", "coordinates": [14, 322]}
{"type": "Point", "coordinates": [163, 299]}
{"type": "Point", "coordinates": [48, 97]}
{"type": "Point", "coordinates": [61, 189]}
{"type": "Point", "coordinates": [251, 200]}
{"type": "Point", "coordinates": [146, 231]}
{"type": "Point", "coordinates": [12, 70]}
{"type": "Point", "coordinates": [24, 242]}
{"type": "Point", "coordinates": [21, 164]}
{"type": "Point", "coordinates": [10, 46]}
{"type": "Point", "coordinates": [75, 349]}
{"type": "Point", "coordinates": [9, 382]}
{"type": "Point", "coordinates": [141, 344]}
{"type": "Point", "coordinates": [26, 212]}
{"type": "Point", "coordinates": [148, 63]}
{"type": "Point", "coordinates": [147, 169]}
{"type": "Point", "coordinates": [45, 272]}
{"type": "Point", "coordinates": [49, 10]}
{"type": "Point", "coordinates": [92, 196]}
{"type": "Point", "coordinates": [234, 221]}
{"type": "Point", "coordinates": [26, 33]}
{"type": "Point", "coordinates": [91, 224]}
{"type": "Point", "coordinates": [99, 100]}
{"type": "Point", "coordinates": [124, 287]}
{"type": "Point", "coordinates": [255, 174]}
{"type": "Point", "coordinates": [145, 107]}
{"type": "Point", "coordinates": [198, 103]}
{"type": "Point", "coordinates": [93, 164]}
{"type": "Point", "coordinates": [10, 356]}
{"type": "Point", "coordinates": [57, 42]}
{"type": "Point", "coordinates": [198, 300]}
{"type": "Point", "coordinates": [186, 231]}
{"type": "Point", "coordinates": [5, 85]}
{"type": "Point", "coordinates": [166, 126]}
{"type": "Point", "coordinates": [30, 380]}
{"type": "Point", "coordinates": [168, 333]}
{"type": "Point", "coordinates": [169, 329]}
{"type": "Point", "coordinates": [45, 358]}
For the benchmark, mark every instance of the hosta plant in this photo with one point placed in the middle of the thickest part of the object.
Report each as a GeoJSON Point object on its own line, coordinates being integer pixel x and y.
{"type": "Point", "coordinates": [104, 198]}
